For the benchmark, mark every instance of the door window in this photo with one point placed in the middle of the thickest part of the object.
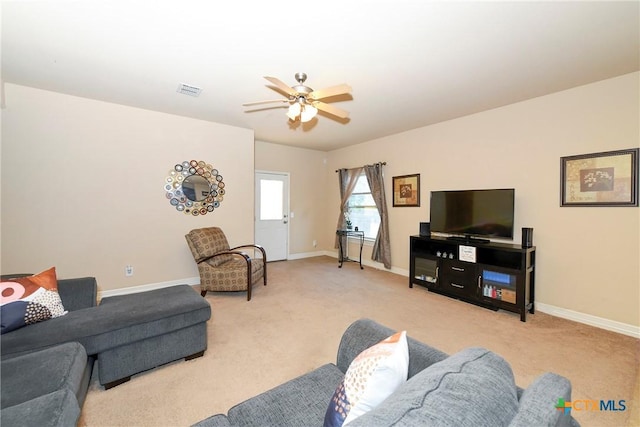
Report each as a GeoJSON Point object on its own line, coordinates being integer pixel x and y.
{"type": "Point", "coordinates": [271, 205]}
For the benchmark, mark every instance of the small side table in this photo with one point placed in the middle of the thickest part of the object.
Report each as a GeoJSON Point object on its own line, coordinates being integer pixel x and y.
{"type": "Point", "coordinates": [343, 244]}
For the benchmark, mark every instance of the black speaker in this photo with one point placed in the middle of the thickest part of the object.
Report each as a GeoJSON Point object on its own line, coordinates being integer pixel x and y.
{"type": "Point", "coordinates": [425, 229]}
{"type": "Point", "coordinates": [527, 237]}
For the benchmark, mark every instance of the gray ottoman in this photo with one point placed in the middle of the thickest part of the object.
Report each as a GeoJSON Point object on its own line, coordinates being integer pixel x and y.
{"type": "Point", "coordinates": [147, 329]}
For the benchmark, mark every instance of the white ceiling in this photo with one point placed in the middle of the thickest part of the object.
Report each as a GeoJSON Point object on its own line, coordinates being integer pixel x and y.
{"type": "Point", "coordinates": [410, 63]}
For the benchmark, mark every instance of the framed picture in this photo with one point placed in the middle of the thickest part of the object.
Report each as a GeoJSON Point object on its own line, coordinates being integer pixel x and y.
{"type": "Point", "coordinates": [406, 190]}
{"type": "Point", "coordinates": [600, 179]}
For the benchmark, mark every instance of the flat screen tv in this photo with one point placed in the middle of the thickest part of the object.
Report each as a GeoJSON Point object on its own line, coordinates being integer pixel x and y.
{"type": "Point", "coordinates": [467, 213]}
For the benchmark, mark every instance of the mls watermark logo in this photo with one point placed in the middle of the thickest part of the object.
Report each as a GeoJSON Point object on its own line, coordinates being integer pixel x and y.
{"type": "Point", "coordinates": [590, 405]}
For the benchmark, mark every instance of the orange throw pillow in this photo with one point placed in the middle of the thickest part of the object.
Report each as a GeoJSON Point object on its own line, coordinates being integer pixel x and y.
{"type": "Point", "coordinates": [28, 300]}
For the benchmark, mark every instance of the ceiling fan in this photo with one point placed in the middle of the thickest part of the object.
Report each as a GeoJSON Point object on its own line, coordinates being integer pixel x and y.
{"type": "Point", "coordinates": [304, 102]}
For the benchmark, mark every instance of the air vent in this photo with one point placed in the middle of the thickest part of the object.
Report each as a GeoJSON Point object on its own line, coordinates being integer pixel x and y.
{"type": "Point", "coordinates": [186, 89]}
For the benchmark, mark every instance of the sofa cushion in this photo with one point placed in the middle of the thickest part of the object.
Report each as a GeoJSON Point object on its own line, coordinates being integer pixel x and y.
{"type": "Point", "coordinates": [471, 388]}
{"type": "Point", "coordinates": [372, 376]}
{"type": "Point", "coordinates": [41, 372]}
{"type": "Point", "coordinates": [28, 300]}
{"type": "Point", "coordinates": [298, 402]}
{"type": "Point", "coordinates": [78, 293]}
{"type": "Point", "coordinates": [59, 408]}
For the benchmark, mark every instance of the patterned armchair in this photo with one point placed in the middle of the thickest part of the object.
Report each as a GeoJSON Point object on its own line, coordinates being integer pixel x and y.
{"type": "Point", "coordinates": [223, 268]}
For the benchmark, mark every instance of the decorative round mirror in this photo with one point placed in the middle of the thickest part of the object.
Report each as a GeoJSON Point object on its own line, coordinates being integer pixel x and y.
{"type": "Point", "coordinates": [194, 187]}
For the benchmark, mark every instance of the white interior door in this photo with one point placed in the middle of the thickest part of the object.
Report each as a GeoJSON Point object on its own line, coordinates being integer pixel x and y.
{"type": "Point", "coordinates": [272, 214]}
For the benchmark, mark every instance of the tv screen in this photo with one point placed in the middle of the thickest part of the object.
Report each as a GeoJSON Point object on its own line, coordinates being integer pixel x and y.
{"type": "Point", "coordinates": [486, 213]}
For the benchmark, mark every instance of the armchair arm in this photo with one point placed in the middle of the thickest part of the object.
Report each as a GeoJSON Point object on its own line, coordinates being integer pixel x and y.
{"type": "Point", "coordinates": [264, 253]}
{"type": "Point", "coordinates": [78, 293]}
{"type": "Point", "coordinates": [246, 257]}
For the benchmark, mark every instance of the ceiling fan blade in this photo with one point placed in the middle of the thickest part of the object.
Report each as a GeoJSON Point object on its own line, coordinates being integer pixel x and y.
{"type": "Point", "coordinates": [330, 91]}
{"type": "Point", "coordinates": [338, 112]}
{"type": "Point", "coordinates": [264, 102]}
{"type": "Point", "coordinates": [281, 85]}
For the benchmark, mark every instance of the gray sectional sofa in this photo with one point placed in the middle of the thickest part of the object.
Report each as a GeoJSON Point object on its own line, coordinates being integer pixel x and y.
{"type": "Point", "coordinates": [474, 387]}
{"type": "Point", "coordinates": [46, 366]}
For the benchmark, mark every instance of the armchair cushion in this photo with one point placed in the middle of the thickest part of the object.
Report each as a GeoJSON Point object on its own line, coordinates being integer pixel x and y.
{"type": "Point", "coordinates": [206, 242]}
{"type": "Point", "coordinates": [232, 276]}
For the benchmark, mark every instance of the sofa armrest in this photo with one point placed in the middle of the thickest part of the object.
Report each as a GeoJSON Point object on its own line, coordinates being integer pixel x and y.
{"type": "Point", "coordinates": [59, 408]}
{"type": "Point", "coordinates": [78, 293]}
{"type": "Point", "coordinates": [364, 333]}
{"type": "Point", "coordinates": [214, 421]}
{"type": "Point", "coordinates": [538, 403]}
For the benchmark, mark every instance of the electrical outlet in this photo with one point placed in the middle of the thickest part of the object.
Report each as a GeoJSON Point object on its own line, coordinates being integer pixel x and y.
{"type": "Point", "coordinates": [128, 271]}
{"type": "Point", "coordinates": [315, 243]}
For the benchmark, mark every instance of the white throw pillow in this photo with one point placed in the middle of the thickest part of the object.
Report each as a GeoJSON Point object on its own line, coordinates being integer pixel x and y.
{"type": "Point", "coordinates": [371, 377]}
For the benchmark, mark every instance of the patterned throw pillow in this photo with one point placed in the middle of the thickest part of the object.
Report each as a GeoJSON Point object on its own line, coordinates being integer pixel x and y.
{"type": "Point", "coordinates": [371, 377]}
{"type": "Point", "coordinates": [28, 300]}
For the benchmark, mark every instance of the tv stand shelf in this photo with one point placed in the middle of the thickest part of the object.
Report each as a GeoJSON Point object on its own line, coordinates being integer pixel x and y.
{"type": "Point", "coordinates": [502, 276]}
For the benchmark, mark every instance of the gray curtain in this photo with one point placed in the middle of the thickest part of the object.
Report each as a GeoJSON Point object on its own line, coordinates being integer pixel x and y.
{"type": "Point", "coordinates": [381, 247]}
{"type": "Point", "coordinates": [348, 179]}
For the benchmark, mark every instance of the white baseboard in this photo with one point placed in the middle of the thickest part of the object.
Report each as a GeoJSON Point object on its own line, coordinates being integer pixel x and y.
{"type": "Point", "coordinates": [373, 264]}
{"type": "Point", "coordinates": [151, 286]}
{"type": "Point", "coordinates": [588, 319]}
{"type": "Point", "coordinates": [302, 255]}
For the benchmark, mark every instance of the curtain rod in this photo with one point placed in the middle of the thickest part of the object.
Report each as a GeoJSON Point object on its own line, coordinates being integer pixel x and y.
{"type": "Point", "coordinates": [379, 163]}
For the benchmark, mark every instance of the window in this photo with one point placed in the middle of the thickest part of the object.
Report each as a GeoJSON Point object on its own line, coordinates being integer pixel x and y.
{"type": "Point", "coordinates": [271, 199]}
{"type": "Point", "coordinates": [364, 213]}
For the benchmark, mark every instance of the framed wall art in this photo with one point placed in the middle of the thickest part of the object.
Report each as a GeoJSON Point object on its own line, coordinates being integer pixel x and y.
{"type": "Point", "coordinates": [406, 190]}
{"type": "Point", "coordinates": [600, 179]}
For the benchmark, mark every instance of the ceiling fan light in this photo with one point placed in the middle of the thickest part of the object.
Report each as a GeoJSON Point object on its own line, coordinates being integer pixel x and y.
{"type": "Point", "coordinates": [308, 113]}
{"type": "Point", "coordinates": [294, 111]}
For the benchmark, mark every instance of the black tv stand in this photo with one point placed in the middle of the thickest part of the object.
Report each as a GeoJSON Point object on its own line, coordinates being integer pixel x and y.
{"type": "Point", "coordinates": [492, 275]}
{"type": "Point", "coordinates": [468, 239]}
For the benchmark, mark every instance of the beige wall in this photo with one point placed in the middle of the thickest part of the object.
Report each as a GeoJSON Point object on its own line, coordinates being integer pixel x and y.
{"type": "Point", "coordinates": [83, 188]}
{"type": "Point", "coordinates": [307, 193]}
{"type": "Point", "coordinates": [588, 258]}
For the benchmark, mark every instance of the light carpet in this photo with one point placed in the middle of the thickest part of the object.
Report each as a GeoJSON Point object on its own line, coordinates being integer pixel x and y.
{"type": "Point", "coordinates": [294, 325]}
